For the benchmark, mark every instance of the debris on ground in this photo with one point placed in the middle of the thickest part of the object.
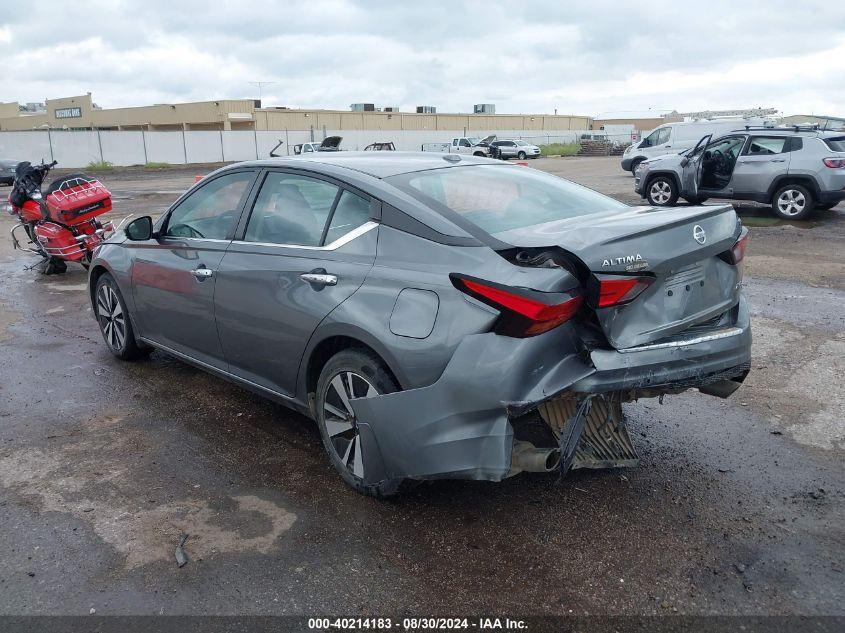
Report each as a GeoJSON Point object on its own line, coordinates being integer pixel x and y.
{"type": "Point", "coordinates": [181, 555]}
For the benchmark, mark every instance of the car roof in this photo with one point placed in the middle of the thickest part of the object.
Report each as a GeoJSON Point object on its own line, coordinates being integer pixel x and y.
{"type": "Point", "coordinates": [778, 131]}
{"type": "Point", "coordinates": [377, 164]}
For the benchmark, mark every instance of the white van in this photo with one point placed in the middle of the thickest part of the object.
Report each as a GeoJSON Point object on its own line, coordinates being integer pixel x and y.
{"type": "Point", "coordinates": [674, 138]}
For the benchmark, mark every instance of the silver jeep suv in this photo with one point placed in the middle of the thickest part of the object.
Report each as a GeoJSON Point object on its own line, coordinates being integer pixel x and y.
{"type": "Point", "coordinates": [796, 170]}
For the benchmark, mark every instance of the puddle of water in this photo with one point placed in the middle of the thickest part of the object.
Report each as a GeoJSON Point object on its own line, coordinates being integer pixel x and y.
{"type": "Point", "coordinates": [764, 222]}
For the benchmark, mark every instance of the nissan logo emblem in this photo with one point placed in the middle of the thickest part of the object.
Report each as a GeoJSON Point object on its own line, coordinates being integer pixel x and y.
{"type": "Point", "coordinates": [699, 234]}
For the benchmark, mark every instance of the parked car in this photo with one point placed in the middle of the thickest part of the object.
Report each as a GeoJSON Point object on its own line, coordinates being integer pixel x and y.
{"type": "Point", "coordinates": [674, 138]}
{"type": "Point", "coordinates": [516, 148]}
{"type": "Point", "coordinates": [329, 144]}
{"type": "Point", "coordinates": [7, 171]}
{"type": "Point", "coordinates": [437, 318]}
{"type": "Point", "coordinates": [795, 170]}
{"type": "Point", "coordinates": [387, 146]}
{"type": "Point", "coordinates": [469, 145]}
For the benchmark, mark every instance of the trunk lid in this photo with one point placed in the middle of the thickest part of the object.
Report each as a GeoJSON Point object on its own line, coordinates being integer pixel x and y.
{"type": "Point", "coordinates": [678, 246]}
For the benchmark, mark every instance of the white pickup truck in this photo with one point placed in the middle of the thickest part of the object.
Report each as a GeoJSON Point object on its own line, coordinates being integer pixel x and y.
{"type": "Point", "coordinates": [473, 145]}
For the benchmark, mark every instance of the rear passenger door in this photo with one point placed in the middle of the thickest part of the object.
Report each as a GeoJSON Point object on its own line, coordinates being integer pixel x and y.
{"type": "Point", "coordinates": [306, 246]}
{"type": "Point", "coordinates": [763, 159]}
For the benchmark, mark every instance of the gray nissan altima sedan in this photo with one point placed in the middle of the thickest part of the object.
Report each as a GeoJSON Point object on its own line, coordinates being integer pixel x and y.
{"type": "Point", "coordinates": [438, 316]}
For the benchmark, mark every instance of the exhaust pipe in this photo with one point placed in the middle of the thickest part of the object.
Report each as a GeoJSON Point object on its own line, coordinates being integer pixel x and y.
{"type": "Point", "coordinates": [527, 458]}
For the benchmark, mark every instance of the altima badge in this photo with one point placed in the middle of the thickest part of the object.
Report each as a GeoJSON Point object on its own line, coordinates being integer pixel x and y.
{"type": "Point", "coordinates": [699, 234]}
{"type": "Point", "coordinates": [618, 261]}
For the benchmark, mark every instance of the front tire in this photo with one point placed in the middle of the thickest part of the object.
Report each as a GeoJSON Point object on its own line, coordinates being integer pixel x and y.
{"type": "Point", "coordinates": [521, 155]}
{"type": "Point", "coordinates": [634, 165]}
{"type": "Point", "coordinates": [114, 321]}
{"type": "Point", "coordinates": [662, 192]}
{"type": "Point", "coordinates": [792, 202]}
{"type": "Point", "coordinates": [351, 373]}
{"type": "Point", "coordinates": [481, 154]}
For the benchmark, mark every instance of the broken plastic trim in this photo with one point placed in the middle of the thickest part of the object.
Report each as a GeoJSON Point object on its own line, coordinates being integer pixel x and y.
{"type": "Point", "coordinates": [681, 342]}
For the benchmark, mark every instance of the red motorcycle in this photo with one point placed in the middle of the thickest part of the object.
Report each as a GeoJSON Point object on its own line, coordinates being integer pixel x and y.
{"type": "Point", "coordinates": [61, 224]}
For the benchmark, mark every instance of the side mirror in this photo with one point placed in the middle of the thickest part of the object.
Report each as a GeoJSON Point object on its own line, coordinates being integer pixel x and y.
{"type": "Point", "coordinates": [140, 229]}
{"type": "Point", "coordinates": [684, 161]}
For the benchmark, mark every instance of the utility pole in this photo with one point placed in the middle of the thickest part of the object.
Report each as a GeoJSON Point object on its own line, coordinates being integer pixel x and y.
{"type": "Point", "coordinates": [261, 85]}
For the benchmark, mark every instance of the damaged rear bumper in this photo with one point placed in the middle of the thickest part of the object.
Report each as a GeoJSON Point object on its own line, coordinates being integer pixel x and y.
{"type": "Point", "coordinates": [459, 427]}
{"type": "Point", "coordinates": [689, 360]}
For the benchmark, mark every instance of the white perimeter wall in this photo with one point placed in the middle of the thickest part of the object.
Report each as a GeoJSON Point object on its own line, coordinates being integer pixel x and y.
{"type": "Point", "coordinates": [79, 148]}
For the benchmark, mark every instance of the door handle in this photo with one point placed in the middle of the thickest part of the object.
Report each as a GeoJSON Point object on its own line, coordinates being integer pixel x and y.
{"type": "Point", "coordinates": [202, 273]}
{"type": "Point", "coordinates": [777, 160]}
{"type": "Point", "coordinates": [319, 279]}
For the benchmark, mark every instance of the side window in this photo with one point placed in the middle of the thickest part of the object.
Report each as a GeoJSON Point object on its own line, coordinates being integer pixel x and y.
{"type": "Point", "coordinates": [454, 142]}
{"type": "Point", "coordinates": [663, 135]}
{"type": "Point", "coordinates": [291, 210]}
{"type": "Point", "coordinates": [351, 212]}
{"type": "Point", "coordinates": [765, 145]}
{"type": "Point", "coordinates": [795, 144]}
{"type": "Point", "coordinates": [729, 146]}
{"type": "Point", "coordinates": [464, 143]}
{"type": "Point", "coordinates": [651, 139]}
{"type": "Point", "coordinates": [211, 211]}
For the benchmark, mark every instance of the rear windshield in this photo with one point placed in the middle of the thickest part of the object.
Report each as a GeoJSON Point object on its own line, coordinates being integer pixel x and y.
{"type": "Point", "coordinates": [499, 198]}
{"type": "Point", "coordinates": [836, 144]}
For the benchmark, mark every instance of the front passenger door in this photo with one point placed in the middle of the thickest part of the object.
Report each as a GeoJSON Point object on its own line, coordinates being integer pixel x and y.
{"type": "Point", "coordinates": [173, 277]}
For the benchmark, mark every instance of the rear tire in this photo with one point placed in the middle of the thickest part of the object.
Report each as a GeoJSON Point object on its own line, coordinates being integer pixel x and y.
{"type": "Point", "coordinates": [662, 191]}
{"type": "Point", "coordinates": [351, 373]}
{"type": "Point", "coordinates": [115, 323]}
{"type": "Point", "coordinates": [792, 202]}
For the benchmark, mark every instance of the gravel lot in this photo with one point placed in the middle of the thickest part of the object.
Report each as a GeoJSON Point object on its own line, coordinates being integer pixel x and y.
{"type": "Point", "coordinates": [737, 508]}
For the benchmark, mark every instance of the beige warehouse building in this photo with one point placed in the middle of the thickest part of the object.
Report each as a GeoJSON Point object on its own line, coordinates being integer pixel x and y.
{"type": "Point", "coordinates": [80, 113]}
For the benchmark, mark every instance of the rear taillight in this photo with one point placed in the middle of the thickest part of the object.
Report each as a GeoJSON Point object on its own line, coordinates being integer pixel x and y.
{"type": "Point", "coordinates": [835, 163]}
{"type": "Point", "coordinates": [524, 312]}
{"type": "Point", "coordinates": [737, 252]}
{"type": "Point", "coordinates": [617, 291]}
{"type": "Point", "coordinates": [738, 249]}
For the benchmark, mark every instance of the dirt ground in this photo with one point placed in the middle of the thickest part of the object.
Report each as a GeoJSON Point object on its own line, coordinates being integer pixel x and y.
{"type": "Point", "coordinates": [737, 507]}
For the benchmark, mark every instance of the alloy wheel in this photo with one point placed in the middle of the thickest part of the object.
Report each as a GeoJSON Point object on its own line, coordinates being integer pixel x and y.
{"type": "Point", "coordinates": [111, 317]}
{"type": "Point", "coordinates": [660, 192]}
{"type": "Point", "coordinates": [339, 418]}
{"type": "Point", "coordinates": [791, 202]}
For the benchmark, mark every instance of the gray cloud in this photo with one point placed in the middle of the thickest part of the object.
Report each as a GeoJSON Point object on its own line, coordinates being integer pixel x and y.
{"type": "Point", "coordinates": [582, 56]}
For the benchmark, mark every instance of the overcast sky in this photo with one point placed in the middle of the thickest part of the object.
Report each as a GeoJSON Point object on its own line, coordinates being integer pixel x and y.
{"type": "Point", "coordinates": [577, 57]}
